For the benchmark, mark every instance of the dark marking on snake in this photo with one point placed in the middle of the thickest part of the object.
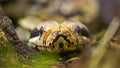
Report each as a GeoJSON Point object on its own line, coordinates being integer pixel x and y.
{"type": "Point", "coordinates": [63, 36]}
{"type": "Point", "coordinates": [61, 45]}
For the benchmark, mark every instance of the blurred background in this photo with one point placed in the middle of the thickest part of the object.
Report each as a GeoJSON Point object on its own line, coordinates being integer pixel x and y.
{"type": "Point", "coordinates": [95, 14]}
{"type": "Point", "coordinates": [86, 11]}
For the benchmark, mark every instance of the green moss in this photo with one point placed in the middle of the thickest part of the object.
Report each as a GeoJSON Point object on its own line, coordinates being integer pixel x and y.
{"type": "Point", "coordinates": [8, 56]}
{"type": "Point", "coordinates": [10, 59]}
{"type": "Point", "coordinates": [44, 60]}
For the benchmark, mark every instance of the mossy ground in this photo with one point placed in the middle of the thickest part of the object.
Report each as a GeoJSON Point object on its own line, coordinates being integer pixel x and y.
{"type": "Point", "coordinates": [9, 58]}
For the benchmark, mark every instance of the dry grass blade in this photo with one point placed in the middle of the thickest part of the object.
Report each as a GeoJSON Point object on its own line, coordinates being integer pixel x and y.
{"type": "Point", "coordinates": [102, 46]}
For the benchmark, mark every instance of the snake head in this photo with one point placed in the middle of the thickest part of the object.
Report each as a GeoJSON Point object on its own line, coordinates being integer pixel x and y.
{"type": "Point", "coordinates": [54, 37]}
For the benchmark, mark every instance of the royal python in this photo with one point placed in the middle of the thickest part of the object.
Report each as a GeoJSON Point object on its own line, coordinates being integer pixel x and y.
{"type": "Point", "coordinates": [55, 37]}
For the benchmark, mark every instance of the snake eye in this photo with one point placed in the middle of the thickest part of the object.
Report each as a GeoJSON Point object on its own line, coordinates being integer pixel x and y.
{"type": "Point", "coordinates": [78, 29]}
{"type": "Point", "coordinates": [34, 33]}
{"type": "Point", "coordinates": [82, 31]}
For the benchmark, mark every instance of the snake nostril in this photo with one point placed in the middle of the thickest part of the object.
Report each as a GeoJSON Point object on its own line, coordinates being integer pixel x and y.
{"type": "Point", "coordinates": [61, 45]}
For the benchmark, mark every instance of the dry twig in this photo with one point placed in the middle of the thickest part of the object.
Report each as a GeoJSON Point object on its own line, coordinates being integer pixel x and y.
{"type": "Point", "coordinates": [102, 46]}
